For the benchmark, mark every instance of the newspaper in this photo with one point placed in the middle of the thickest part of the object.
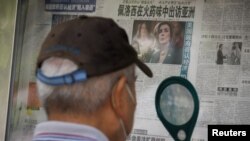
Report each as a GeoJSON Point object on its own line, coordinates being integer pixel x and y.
{"type": "Point", "coordinates": [133, 15]}
{"type": "Point", "coordinates": [222, 78]}
{"type": "Point", "coordinates": [211, 46]}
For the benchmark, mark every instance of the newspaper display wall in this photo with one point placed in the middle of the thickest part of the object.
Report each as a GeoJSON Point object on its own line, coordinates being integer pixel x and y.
{"type": "Point", "coordinates": [200, 28]}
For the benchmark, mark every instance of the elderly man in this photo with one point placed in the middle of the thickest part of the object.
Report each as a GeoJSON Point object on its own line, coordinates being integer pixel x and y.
{"type": "Point", "coordinates": [86, 81]}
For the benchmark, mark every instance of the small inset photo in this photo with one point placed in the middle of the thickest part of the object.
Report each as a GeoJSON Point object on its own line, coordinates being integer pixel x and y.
{"type": "Point", "coordinates": [229, 53]}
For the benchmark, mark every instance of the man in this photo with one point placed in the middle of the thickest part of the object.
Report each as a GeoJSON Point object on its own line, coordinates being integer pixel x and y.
{"type": "Point", "coordinates": [86, 82]}
{"type": "Point", "coordinates": [220, 55]}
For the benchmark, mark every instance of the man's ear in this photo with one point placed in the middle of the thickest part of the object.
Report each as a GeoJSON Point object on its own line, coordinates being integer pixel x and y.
{"type": "Point", "coordinates": [119, 97]}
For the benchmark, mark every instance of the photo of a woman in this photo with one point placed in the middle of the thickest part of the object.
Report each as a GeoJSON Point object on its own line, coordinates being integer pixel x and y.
{"type": "Point", "coordinates": [167, 53]}
{"type": "Point", "coordinates": [145, 41]}
{"type": "Point", "coordinates": [235, 54]}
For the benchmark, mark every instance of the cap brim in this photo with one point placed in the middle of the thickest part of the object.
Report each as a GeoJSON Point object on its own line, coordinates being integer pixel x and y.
{"type": "Point", "coordinates": [144, 68]}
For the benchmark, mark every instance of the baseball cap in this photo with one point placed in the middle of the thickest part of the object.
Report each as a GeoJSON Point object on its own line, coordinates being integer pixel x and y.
{"type": "Point", "coordinates": [96, 44]}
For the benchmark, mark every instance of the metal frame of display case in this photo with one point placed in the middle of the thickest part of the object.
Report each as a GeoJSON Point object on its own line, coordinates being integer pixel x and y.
{"type": "Point", "coordinates": [18, 27]}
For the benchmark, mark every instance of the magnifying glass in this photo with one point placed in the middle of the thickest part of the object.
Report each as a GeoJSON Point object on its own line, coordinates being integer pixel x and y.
{"type": "Point", "coordinates": [177, 107]}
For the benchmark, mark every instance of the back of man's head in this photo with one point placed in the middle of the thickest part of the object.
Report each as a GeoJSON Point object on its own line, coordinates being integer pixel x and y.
{"type": "Point", "coordinates": [85, 97]}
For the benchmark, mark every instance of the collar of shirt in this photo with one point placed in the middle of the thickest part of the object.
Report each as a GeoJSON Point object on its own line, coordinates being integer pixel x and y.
{"type": "Point", "coordinates": [65, 131]}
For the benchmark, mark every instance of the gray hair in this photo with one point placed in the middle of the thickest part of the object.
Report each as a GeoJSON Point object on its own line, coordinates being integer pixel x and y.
{"type": "Point", "coordinates": [85, 97]}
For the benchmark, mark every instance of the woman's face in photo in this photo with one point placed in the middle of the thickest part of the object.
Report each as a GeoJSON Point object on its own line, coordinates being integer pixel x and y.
{"type": "Point", "coordinates": [164, 34]}
{"type": "Point", "coordinates": [144, 30]}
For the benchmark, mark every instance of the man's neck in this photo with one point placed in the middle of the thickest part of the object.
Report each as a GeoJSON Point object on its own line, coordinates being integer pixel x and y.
{"type": "Point", "coordinates": [104, 119]}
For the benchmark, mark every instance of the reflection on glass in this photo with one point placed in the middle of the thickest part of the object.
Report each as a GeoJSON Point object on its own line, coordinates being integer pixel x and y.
{"type": "Point", "coordinates": [177, 104]}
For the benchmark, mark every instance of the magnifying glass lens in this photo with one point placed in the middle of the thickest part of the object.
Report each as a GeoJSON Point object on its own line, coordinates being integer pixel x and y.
{"type": "Point", "coordinates": [177, 104]}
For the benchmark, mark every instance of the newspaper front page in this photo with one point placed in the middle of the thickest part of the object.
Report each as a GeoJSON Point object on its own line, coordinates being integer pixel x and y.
{"type": "Point", "coordinates": [142, 19]}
